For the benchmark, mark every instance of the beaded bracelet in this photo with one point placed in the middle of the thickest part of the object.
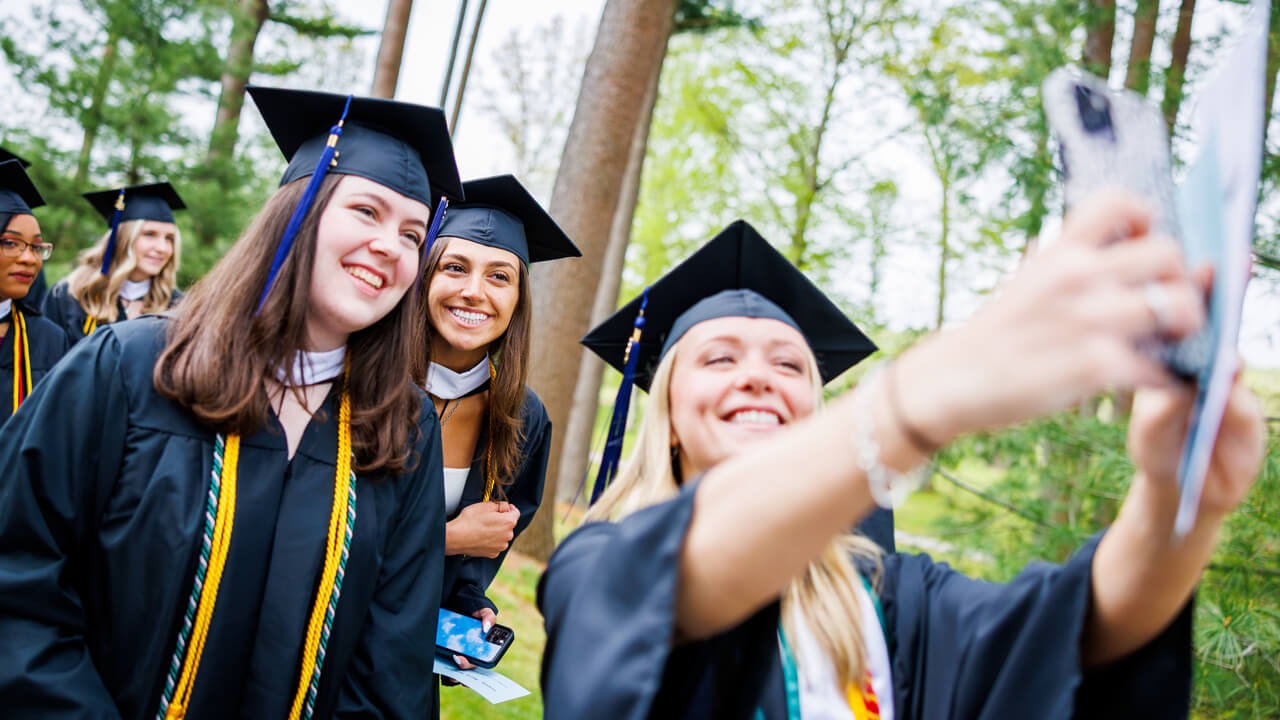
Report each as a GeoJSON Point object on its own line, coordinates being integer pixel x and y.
{"type": "Point", "coordinates": [889, 487]}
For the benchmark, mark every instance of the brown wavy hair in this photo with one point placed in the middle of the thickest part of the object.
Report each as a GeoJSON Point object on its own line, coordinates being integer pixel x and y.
{"type": "Point", "coordinates": [510, 354]}
{"type": "Point", "coordinates": [218, 353]}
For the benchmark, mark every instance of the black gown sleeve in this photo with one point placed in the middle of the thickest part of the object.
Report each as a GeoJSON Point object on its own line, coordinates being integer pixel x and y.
{"type": "Point", "coordinates": [389, 675]}
{"type": "Point", "coordinates": [59, 452]}
{"type": "Point", "coordinates": [608, 601]}
{"type": "Point", "coordinates": [964, 648]}
{"type": "Point", "coordinates": [64, 311]}
{"type": "Point", "coordinates": [476, 573]}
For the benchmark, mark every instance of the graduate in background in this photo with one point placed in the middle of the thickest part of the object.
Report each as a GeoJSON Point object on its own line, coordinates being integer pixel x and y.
{"type": "Point", "coordinates": [718, 581]}
{"type": "Point", "coordinates": [131, 270]}
{"type": "Point", "coordinates": [39, 288]}
{"type": "Point", "coordinates": [30, 344]}
{"type": "Point", "coordinates": [477, 313]}
{"type": "Point", "coordinates": [263, 452]}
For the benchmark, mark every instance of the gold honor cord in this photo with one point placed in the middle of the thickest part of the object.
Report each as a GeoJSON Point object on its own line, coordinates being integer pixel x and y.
{"type": "Point", "coordinates": [90, 324]}
{"type": "Point", "coordinates": [213, 560]}
{"type": "Point", "coordinates": [220, 514]}
{"type": "Point", "coordinates": [489, 470]}
{"type": "Point", "coordinates": [341, 524]}
{"type": "Point", "coordinates": [21, 360]}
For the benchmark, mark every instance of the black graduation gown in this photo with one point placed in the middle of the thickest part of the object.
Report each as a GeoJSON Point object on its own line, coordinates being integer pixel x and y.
{"type": "Point", "coordinates": [467, 577]}
{"type": "Point", "coordinates": [101, 506]}
{"type": "Point", "coordinates": [46, 342]}
{"type": "Point", "coordinates": [63, 309]}
{"type": "Point", "coordinates": [959, 648]}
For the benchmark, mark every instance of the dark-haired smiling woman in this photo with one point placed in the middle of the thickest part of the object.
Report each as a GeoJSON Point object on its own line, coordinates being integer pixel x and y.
{"type": "Point", "coordinates": [30, 344]}
{"type": "Point", "coordinates": [495, 432]}
{"type": "Point", "coordinates": [243, 517]}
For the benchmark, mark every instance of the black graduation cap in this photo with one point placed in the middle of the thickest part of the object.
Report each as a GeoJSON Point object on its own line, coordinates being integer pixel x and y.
{"type": "Point", "coordinates": [763, 284]}
{"type": "Point", "coordinates": [6, 156]}
{"type": "Point", "coordinates": [402, 146]}
{"type": "Point", "coordinates": [736, 274]}
{"type": "Point", "coordinates": [17, 193]}
{"type": "Point", "coordinates": [156, 201]}
{"type": "Point", "coordinates": [500, 212]}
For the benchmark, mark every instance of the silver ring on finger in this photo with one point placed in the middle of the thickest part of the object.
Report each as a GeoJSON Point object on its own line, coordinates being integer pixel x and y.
{"type": "Point", "coordinates": [1159, 303]}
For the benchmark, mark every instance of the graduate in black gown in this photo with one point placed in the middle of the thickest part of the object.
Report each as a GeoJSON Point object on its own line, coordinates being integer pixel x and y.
{"type": "Point", "coordinates": [496, 433]}
{"type": "Point", "coordinates": [29, 344]}
{"type": "Point", "coordinates": [132, 270]}
{"type": "Point", "coordinates": [712, 578]}
{"type": "Point", "coordinates": [236, 511]}
{"type": "Point", "coordinates": [40, 287]}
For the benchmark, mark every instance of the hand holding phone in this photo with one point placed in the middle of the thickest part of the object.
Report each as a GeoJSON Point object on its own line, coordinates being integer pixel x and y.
{"type": "Point", "coordinates": [458, 634]}
{"type": "Point", "coordinates": [1115, 138]}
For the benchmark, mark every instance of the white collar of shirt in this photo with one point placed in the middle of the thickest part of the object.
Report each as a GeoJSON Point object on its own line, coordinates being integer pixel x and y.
{"type": "Point", "coordinates": [135, 290]}
{"type": "Point", "coordinates": [309, 368]}
{"type": "Point", "coordinates": [6, 307]}
{"type": "Point", "coordinates": [449, 385]}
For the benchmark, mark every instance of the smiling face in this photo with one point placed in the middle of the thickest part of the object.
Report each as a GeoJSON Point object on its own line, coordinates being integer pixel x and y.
{"type": "Point", "coordinates": [471, 300]}
{"type": "Point", "coordinates": [17, 273]}
{"type": "Point", "coordinates": [366, 259]}
{"type": "Point", "coordinates": [734, 381]}
{"type": "Point", "coordinates": [152, 248]}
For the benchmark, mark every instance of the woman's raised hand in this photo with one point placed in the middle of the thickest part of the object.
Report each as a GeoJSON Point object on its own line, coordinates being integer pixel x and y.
{"type": "Point", "coordinates": [1066, 325]}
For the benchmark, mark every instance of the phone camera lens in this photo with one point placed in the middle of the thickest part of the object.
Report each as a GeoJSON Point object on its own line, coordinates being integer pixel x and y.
{"type": "Point", "coordinates": [1094, 109]}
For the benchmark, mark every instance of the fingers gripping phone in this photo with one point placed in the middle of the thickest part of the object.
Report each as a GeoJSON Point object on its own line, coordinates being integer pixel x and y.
{"type": "Point", "coordinates": [1116, 138]}
{"type": "Point", "coordinates": [458, 634]}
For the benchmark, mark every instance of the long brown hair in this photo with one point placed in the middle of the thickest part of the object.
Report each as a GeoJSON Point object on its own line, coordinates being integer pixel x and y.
{"type": "Point", "coordinates": [510, 354]}
{"type": "Point", "coordinates": [218, 352]}
{"type": "Point", "coordinates": [99, 294]}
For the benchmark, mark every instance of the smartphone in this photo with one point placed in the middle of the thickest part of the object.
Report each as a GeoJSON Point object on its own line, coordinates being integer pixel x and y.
{"type": "Point", "coordinates": [1114, 138]}
{"type": "Point", "coordinates": [463, 635]}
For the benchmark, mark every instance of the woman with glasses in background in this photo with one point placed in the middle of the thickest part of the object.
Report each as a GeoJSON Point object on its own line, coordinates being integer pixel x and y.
{"type": "Point", "coordinates": [29, 344]}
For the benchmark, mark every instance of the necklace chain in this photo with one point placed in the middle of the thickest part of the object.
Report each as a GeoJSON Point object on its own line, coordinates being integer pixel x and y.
{"type": "Point", "coordinates": [451, 412]}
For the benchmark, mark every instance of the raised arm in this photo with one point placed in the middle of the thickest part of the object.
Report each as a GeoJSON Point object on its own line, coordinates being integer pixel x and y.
{"type": "Point", "coordinates": [1142, 574]}
{"type": "Point", "coordinates": [1065, 326]}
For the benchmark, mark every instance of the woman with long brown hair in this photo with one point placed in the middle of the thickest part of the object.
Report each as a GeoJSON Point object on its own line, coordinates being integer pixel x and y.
{"type": "Point", "coordinates": [236, 511]}
{"type": "Point", "coordinates": [715, 576]}
{"type": "Point", "coordinates": [132, 270]}
{"type": "Point", "coordinates": [495, 432]}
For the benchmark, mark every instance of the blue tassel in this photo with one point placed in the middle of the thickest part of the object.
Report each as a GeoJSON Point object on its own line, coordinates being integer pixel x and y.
{"type": "Point", "coordinates": [431, 240]}
{"type": "Point", "coordinates": [612, 455]}
{"type": "Point", "coordinates": [300, 212]}
{"type": "Point", "coordinates": [110, 251]}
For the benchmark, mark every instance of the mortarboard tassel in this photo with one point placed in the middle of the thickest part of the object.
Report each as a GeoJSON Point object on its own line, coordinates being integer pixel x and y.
{"type": "Point", "coordinates": [300, 212]}
{"type": "Point", "coordinates": [110, 251]}
{"type": "Point", "coordinates": [431, 240]}
{"type": "Point", "coordinates": [621, 405]}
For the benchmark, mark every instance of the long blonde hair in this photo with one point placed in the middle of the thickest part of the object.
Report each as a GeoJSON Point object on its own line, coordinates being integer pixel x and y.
{"type": "Point", "coordinates": [99, 294]}
{"type": "Point", "coordinates": [825, 595]}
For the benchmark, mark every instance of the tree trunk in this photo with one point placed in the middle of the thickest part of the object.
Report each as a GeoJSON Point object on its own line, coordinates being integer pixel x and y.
{"type": "Point", "coordinates": [1100, 36]}
{"type": "Point", "coordinates": [575, 448]}
{"type": "Point", "coordinates": [1273, 69]}
{"type": "Point", "coordinates": [466, 68]}
{"type": "Point", "coordinates": [247, 20]}
{"type": "Point", "coordinates": [386, 72]}
{"type": "Point", "coordinates": [1180, 49]}
{"type": "Point", "coordinates": [453, 52]}
{"type": "Point", "coordinates": [93, 117]}
{"type": "Point", "coordinates": [630, 42]}
{"type": "Point", "coordinates": [1138, 76]}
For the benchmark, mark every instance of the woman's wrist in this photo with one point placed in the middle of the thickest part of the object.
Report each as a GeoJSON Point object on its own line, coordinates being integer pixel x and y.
{"type": "Point", "coordinates": [925, 405]}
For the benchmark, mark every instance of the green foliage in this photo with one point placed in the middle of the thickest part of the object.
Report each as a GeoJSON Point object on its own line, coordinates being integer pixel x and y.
{"type": "Point", "coordinates": [1057, 481]}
